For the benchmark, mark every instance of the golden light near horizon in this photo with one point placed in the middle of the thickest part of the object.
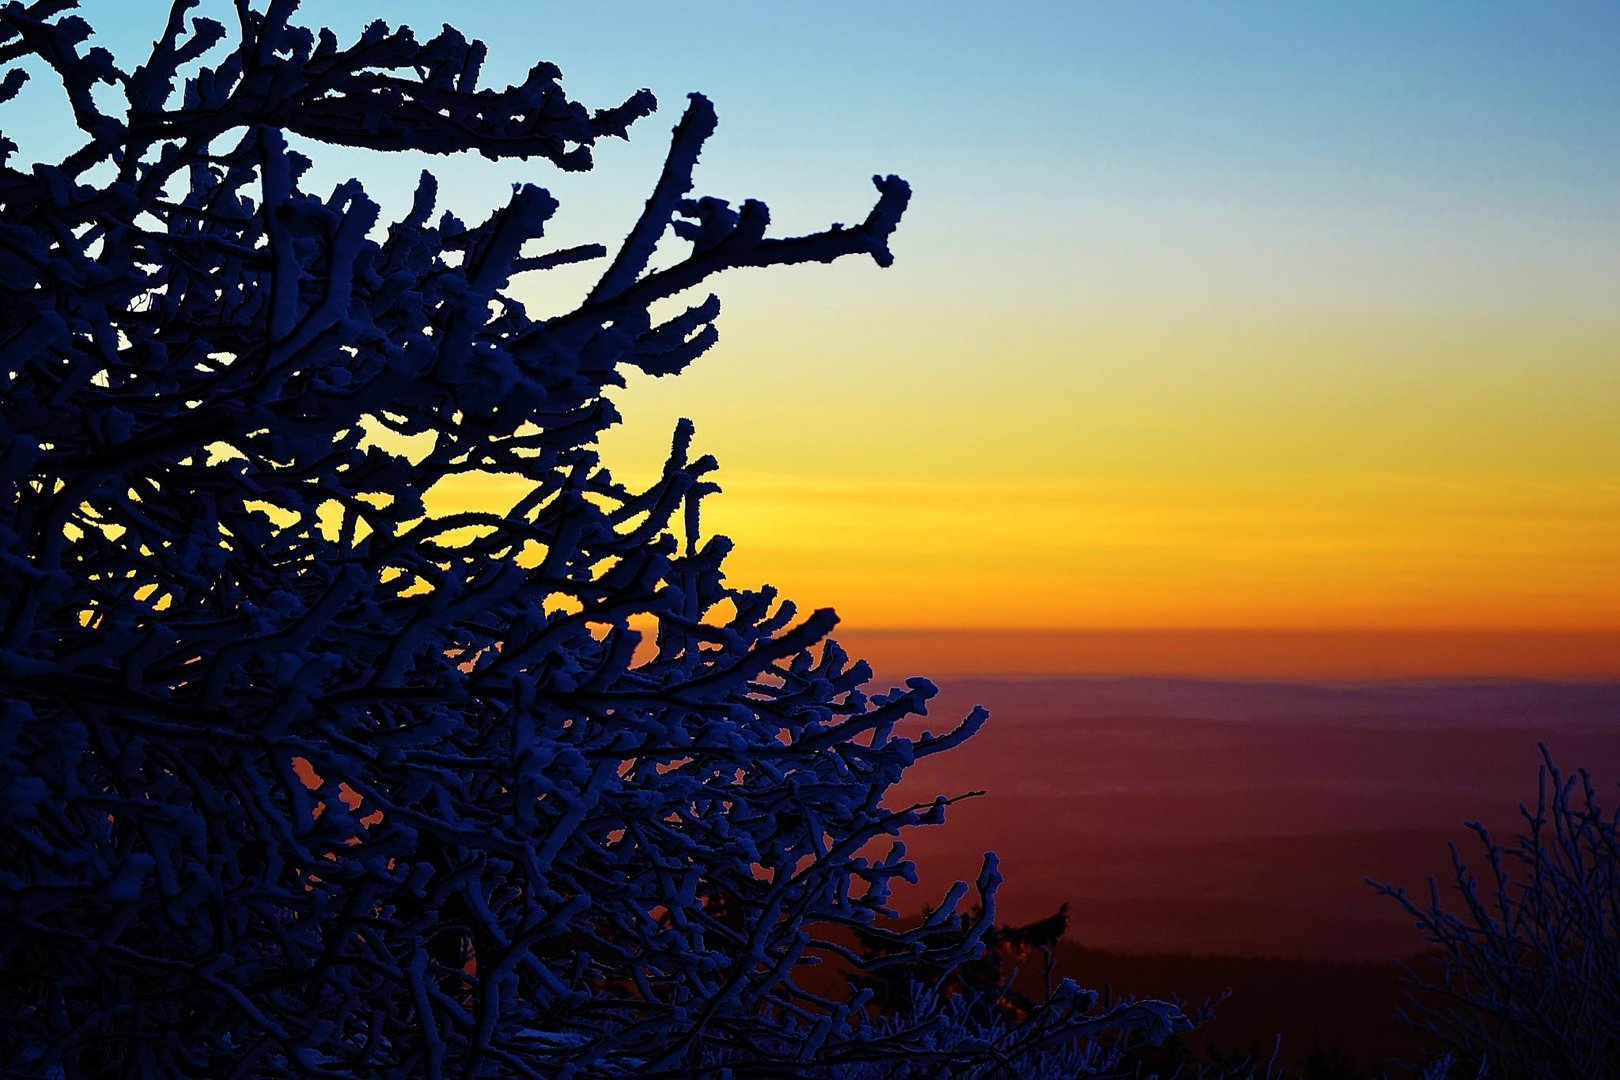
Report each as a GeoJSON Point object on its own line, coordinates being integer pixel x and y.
{"type": "Point", "coordinates": [1319, 495]}
{"type": "Point", "coordinates": [1394, 479]}
{"type": "Point", "coordinates": [1199, 318]}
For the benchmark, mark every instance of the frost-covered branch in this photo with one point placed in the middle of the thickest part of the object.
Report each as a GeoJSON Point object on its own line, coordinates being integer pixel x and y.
{"type": "Point", "coordinates": [297, 779]}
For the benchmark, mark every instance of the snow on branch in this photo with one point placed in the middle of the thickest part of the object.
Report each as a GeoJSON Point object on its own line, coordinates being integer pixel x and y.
{"type": "Point", "coordinates": [298, 779]}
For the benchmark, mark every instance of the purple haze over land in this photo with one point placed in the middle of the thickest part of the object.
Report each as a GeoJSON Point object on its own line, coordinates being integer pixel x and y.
{"type": "Point", "coordinates": [1239, 818]}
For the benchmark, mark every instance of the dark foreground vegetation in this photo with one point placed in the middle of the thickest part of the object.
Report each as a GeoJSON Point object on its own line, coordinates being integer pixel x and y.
{"type": "Point", "coordinates": [1520, 976]}
{"type": "Point", "coordinates": [296, 780]}
{"type": "Point", "coordinates": [1308, 1018]}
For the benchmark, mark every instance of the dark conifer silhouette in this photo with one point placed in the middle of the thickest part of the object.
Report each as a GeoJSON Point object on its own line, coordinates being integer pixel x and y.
{"type": "Point", "coordinates": [297, 780]}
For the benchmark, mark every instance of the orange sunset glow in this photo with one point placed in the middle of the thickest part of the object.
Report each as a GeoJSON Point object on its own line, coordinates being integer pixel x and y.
{"type": "Point", "coordinates": [1120, 577]}
{"type": "Point", "coordinates": [1196, 322]}
{"type": "Point", "coordinates": [1479, 530]}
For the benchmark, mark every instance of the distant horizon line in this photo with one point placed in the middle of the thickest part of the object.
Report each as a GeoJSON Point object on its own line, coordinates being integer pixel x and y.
{"type": "Point", "coordinates": [1281, 628]}
{"type": "Point", "coordinates": [1246, 652]}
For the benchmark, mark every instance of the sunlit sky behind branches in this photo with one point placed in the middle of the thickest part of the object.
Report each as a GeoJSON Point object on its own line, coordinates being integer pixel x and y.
{"type": "Point", "coordinates": [1242, 315]}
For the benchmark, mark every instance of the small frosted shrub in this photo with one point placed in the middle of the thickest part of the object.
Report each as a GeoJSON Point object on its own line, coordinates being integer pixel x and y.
{"type": "Point", "coordinates": [1070, 1034]}
{"type": "Point", "coordinates": [1528, 981]}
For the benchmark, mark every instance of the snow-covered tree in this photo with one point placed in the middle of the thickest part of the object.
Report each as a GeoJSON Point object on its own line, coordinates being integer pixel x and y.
{"type": "Point", "coordinates": [1524, 974]}
{"type": "Point", "coordinates": [296, 778]}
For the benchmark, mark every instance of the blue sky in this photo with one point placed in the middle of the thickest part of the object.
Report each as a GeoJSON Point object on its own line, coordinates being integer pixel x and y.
{"type": "Point", "coordinates": [1034, 130]}
{"type": "Point", "coordinates": [1236, 314]}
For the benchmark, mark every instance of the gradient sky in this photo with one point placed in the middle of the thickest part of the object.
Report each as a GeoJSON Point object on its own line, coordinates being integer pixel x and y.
{"type": "Point", "coordinates": [1247, 315]}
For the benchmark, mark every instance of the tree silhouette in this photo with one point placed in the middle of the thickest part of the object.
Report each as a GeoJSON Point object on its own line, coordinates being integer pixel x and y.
{"type": "Point", "coordinates": [1525, 978]}
{"type": "Point", "coordinates": [299, 779]}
